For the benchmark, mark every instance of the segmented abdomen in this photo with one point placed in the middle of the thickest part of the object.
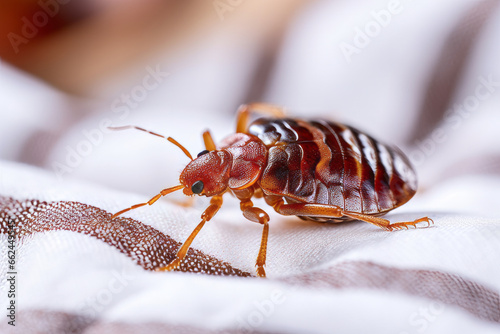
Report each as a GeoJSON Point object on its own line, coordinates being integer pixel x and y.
{"type": "Point", "coordinates": [331, 163]}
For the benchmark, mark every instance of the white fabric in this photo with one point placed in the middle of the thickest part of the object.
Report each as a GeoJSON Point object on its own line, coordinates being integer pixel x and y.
{"type": "Point", "coordinates": [72, 272]}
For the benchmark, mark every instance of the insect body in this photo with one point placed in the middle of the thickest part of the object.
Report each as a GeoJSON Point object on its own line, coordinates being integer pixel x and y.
{"type": "Point", "coordinates": [316, 170]}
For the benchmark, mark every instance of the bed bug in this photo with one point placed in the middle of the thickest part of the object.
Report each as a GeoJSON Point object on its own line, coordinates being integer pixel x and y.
{"type": "Point", "coordinates": [316, 170]}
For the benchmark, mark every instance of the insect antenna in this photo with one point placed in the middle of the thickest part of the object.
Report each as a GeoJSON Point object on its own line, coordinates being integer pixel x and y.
{"type": "Point", "coordinates": [176, 143]}
{"type": "Point", "coordinates": [170, 139]}
{"type": "Point", "coordinates": [151, 201]}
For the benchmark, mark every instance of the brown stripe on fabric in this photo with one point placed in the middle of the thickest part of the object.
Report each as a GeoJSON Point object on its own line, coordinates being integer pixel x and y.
{"type": "Point", "coordinates": [58, 322]}
{"type": "Point", "coordinates": [42, 321]}
{"type": "Point", "coordinates": [144, 244]}
{"type": "Point", "coordinates": [450, 66]}
{"type": "Point", "coordinates": [446, 288]}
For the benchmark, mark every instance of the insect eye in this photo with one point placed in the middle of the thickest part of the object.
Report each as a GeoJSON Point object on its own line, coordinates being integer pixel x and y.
{"type": "Point", "coordinates": [197, 187]}
{"type": "Point", "coordinates": [203, 152]}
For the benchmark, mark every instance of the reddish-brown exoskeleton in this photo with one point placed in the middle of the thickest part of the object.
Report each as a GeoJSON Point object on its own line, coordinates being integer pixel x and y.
{"type": "Point", "coordinates": [316, 170]}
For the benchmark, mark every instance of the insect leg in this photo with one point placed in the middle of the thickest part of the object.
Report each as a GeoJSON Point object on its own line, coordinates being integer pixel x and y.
{"type": "Point", "coordinates": [150, 202]}
{"type": "Point", "coordinates": [215, 205]}
{"type": "Point", "coordinates": [209, 141]}
{"type": "Point", "coordinates": [323, 210]}
{"type": "Point", "coordinates": [244, 111]}
{"type": "Point", "coordinates": [258, 215]}
{"type": "Point", "coordinates": [386, 224]}
{"type": "Point", "coordinates": [303, 209]}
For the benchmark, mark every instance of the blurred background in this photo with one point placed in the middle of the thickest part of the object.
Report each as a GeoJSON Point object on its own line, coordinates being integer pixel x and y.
{"type": "Point", "coordinates": [423, 75]}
